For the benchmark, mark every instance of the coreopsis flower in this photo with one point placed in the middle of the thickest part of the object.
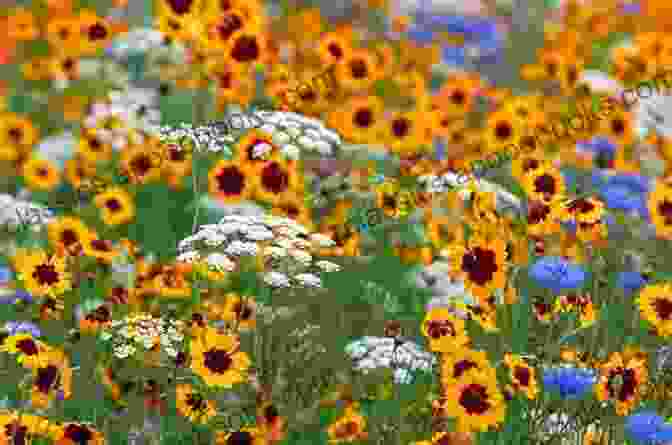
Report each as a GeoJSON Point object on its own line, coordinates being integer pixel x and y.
{"type": "Point", "coordinates": [348, 428]}
{"type": "Point", "coordinates": [522, 376]}
{"type": "Point", "coordinates": [444, 330]}
{"type": "Point", "coordinates": [43, 274]}
{"type": "Point", "coordinates": [216, 358]}
{"type": "Point", "coordinates": [621, 381]}
{"type": "Point", "coordinates": [655, 306]}
{"type": "Point", "coordinates": [193, 405]}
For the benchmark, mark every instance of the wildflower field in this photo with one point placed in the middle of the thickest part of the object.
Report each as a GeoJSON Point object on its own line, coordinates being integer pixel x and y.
{"type": "Point", "coordinates": [293, 222]}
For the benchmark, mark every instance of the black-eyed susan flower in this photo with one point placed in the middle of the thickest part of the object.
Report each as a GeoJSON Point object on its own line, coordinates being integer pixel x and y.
{"type": "Point", "coordinates": [255, 148]}
{"type": "Point", "coordinates": [95, 31]}
{"type": "Point", "coordinates": [216, 358]}
{"type": "Point", "coordinates": [660, 209]}
{"type": "Point", "coordinates": [30, 351]}
{"type": "Point", "coordinates": [621, 381]}
{"type": "Point", "coordinates": [481, 263]}
{"type": "Point", "coordinates": [476, 402]}
{"type": "Point", "coordinates": [502, 131]}
{"type": "Point", "coordinates": [51, 375]}
{"type": "Point", "coordinates": [357, 70]}
{"type": "Point", "coordinates": [523, 376]}
{"type": "Point", "coordinates": [445, 331]}
{"type": "Point", "coordinates": [220, 28]}
{"type": "Point", "coordinates": [544, 184]}
{"type": "Point", "coordinates": [240, 312]}
{"type": "Point", "coordinates": [360, 118]}
{"type": "Point", "coordinates": [68, 233]}
{"type": "Point", "coordinates": [277, 179]}
{"type": "Point", "coordinates": [192, 405]}
{"type": "Point", "coordinates": [75, 433]}
{"type": "Point", "coordinates": [294, 208]}
{"type": "Point", "coordinates": [116, 206]}
{"type": "Point", "coordinates": [43, 274]}
{"type": "Point", "coordinates": [231, 181]}
{"type": "Point", "coordinates": [655, 306]}
{"type": "Point", "coordinates": [21, 428]}
{"type": "Point", "coordinates": [40, 174]}
{"type": "Point", "coordinates": [63, 33]}
{"type": "Point", "coordinates": [100, 249]}
{"type": "Point", "coordinates": [78, 171]}
{"type": "Point", "coordinates": [333, 47]}
{"type": "Point", "coordinates": [140, 165]}
{"type": "Point", "coordinates": [92, 149]}
{"type": "Point", "coordinates": [246, 47]}
{"type": "Point", "coordinates": [348, 428]}
{"type": "Point", "coordinates": [178, 8]}
{"type": "Point", "coordinates": [92, 322]}
{"type": "Point", "coordinates": [454, 365]}
{"type": "Point", "coordinates": [404, 132]}
{"type": "Point", "coordinates": [64, 67]}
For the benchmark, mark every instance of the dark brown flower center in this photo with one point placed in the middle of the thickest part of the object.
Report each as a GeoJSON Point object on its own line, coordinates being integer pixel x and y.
{"type": "Point", "coordinates": [113, 204]}
{"type": "Point", "coordinates": [180, 7]}
{"type": "Point", "coordinates": [246, 49]}
{"type": "Point", "coordinates": [348, 429]}
{"type": "Point", "coordinates": [229, 24]}
{"type": "Point", "coordinates": [400, 127]}
{"type": "Point", "coordinates": [97, 32]}
{"type": "Point", "coordinates": [230, 181]}
{"type": "Point", "coordinates": [537, 212]}
{"type": "Point", "coordinates": [474, 399]}
{"type": "Point", "coordinates": [618, 126]}
{"type": "Point", "coordinates": [335, 50]}
{"type": "Point", "coordinates": [458, 97]}
{"type": "Point", "coordinates": [628, 386]}
{"type": "Point", "coordinates": [69, 237]}
{"type": "Point", "coordinates": [545, 185]}
{"type": "Point", "coordinates": [480, 265]}
{"type": "Point", "coordinates": [522, 374]}
{"type": "Point", "coordinates": [27, 346]}
{"type": "Point", "coordinates": [530, 164]}
{"type": "Point", "coordinates": [462, 366]}
{"type": "Point", "coordinates": [503, 130]}
{"type": "Point", "coordinates": [15, 134]}
{"type": "Point", "coordinates": [358, 69]}
{"type": "Point", "coordinates": [274, 178]}
{"type": "Point", "coordinates": [46, 274]}
{"type": "Point", "coordinates": [363, 118]}
{"type": "Point", "coordinates": [46, 378]}
{"type": "Point", "coordinates": [440, 328]}
{"type": "Point", "coordinates": [79, 434]}
{"type": "Point", "coordinates": [663, 308]}
{"type": "Point", "coordinates": [196, 402]}
{"type": "Point", "coordinates": [243, 311]}
{"type": "Point", "coordinates": [240, 438]}
{"type": "Point", "coordinates": [18, 433]}
{"type": "Point", "coordinates": [665, 210]}
{"type": "Point", "coordinates": [218, 360]}
{"type": "Point", "coordinates": [141, 165]}
{"type": "Point", "coordinates": [581, 206]}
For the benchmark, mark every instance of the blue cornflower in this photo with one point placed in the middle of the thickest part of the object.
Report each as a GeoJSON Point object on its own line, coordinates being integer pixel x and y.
{"type": "Point", "coordinates": [5, 275]}
{"type": "Point", "coordinates": [626, 192]}
{"type": "Point", "coordinates": [557, 274]}
{"type": "Point", "coordinates": [647, 427]}
{"type": "Point", "coordinates": [17, 327]}
{"type": "Point", "coordinates": [571, 383]}
{"type": "Point", "coordinates": [630, 281]}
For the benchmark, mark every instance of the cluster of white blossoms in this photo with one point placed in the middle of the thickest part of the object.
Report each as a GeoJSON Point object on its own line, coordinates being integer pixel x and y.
{"type": "Point", "coordinates": [292, 133]}
{"type": "Point", "coordinates": [125, 118]}
{"type": "Point", "coordinates": [283, 247]}
{"type": "Point", "coordinates": [402, 356]}
{"type": "Point", "coordinates": [144, 332]}
{"type": "Point", "coordinates": [16, 214]}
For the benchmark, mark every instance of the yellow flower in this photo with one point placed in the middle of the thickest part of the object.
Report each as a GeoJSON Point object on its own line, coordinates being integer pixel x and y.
{"type": "Point", "coordinates": [655, 306]}
{"type": "Point", "coordinates": [216, 358]}
{"type": "Point", "coordinates": [660, 209]}
{"type": "Point", "coordinates": [621, 380]}
{"type": "Point", "coordinates": [240, 312]}
{"type": "Point", "coordinates": [456, 364]}
{"type": "Point", "coordinates": [31, 352]}
{"type": "Point", "coordinates": [42, 274]}
{"type": "Point", "coordinates": [476, 402]}
{"type": "Point", "coordinates": [192, 405]}
{"type": "Point", "coordinates": [116, 206]}
{"type": "Point", "coordinates": [40, 174]}
{"type": "Point", "coordinates": [67, 232]}
{"type": "Point", "coordinates": [522, 375]}
{"type": "Point", "coordinates": [348, 428]}
{"type": "Point", "coordinates": [231, 181]}
{"type": "Point", "coordinates": [445, 331]}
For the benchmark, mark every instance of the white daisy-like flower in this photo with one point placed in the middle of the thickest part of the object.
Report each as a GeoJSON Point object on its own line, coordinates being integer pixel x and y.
{"type": "Point", "coordinates": [327, 266]}
{"type": "Point", "coordinates": [276, 279]}
{"type": "Point", "coordinates": [308, 280]}
{"type": "Point", "coordinates": [259, 234]}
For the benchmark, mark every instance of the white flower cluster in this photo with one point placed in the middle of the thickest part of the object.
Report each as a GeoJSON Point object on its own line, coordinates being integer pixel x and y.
{"type": "Point", "coordinates": [292, 132]}
{"type": "Point", "coordinates": [404, 357]}
{"type": "Point", "coordinates": [295, 133]}
{"type": "Point", "coordinates": [284, 245]}
{"type": "Point", "coordinates": [125, 118]}
{"type": "Point", "coordinates": [204, 138]}
{"type": "Point", "coordinates": [15, 213]}
{"type": "Point", "coordinates": [134, 42]}
{"type": "Point", "coordinates": [143, 331]}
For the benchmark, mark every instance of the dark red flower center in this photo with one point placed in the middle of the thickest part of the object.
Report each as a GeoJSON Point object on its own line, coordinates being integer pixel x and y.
{"type": "Point", "coordinates": [458, 97]}
{"type": "Point", "coordinates": [440, 328]}
{"type": "Point", "coordinates": [243, 311]}
{"type": "Point", "coordinates": [240, 438]}
{"type": "Point", "coordinates": [474, 399]}
{"type": "Point", "coordinates": [69, 237]}
{"type": "Point", "coordinates": [230, 181]}
{"type": "Point", "coordinates": [581, 206]}
{"type": "Point", "coordinates": [180, 7]}
{"type": "Point", "coordinates": [663, 308]}
{"type": "Point", "coordinates": [141, 165]}
{"type": "Point", "coordinates": [79, 434]}
{"type": "Point", "coordinates": [665, 210]}
{"type": "Point", "coordinates": [246, 49]}
{"type": "Point", "coordinates": [113, 204]}
{"type": "Point", "coordinates": [358, 69]}
{"type": "Point", "coordinates": [537, 212]}
{"type": "Point", "coordinates": [27, 346]}
{"type": "Point", "coordinates": [462, 366]}
{"type": "Point", "coordinates": [15, 134]}
{"type": "Point", "coordinates": [629, 383]}
{"type": "Point", "coordinates": [400, 127]}
{"type": "Point", "coordinates": [480, 265]}
{"type": "Point", "coordinates": [18, 432]}
{"type": "Point", "coordinates": [363, 118]}
{"type": "Point", "coordinates": [274, 178]}
{"type": "Point", "coordinates": [503, 130]}
{"type": "Point", "coordinates": [46, 378]}
{"type": "Point", "coordinates": [545, 185]}
{"type": "Point", "coordinates": [335, 50]}
{"type": "Point", "coordinates": [97, 32]}
{"type": "Point", "coordinates": [618, 126]}
{"type": "Point", "coordinates": [522, 374]}
{"type": "Point", "coordinates": [229, 24]}
{"type": "Point", "coordinates": [46, 274]}
{"type": "Point", "coordinates": [218, 360]}
{"type": "Point", "coordinates": [196, 402]}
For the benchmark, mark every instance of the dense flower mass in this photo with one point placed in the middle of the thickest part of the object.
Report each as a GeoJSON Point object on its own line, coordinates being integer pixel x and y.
{"type": "Point", "coordinates": [251, 222]}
